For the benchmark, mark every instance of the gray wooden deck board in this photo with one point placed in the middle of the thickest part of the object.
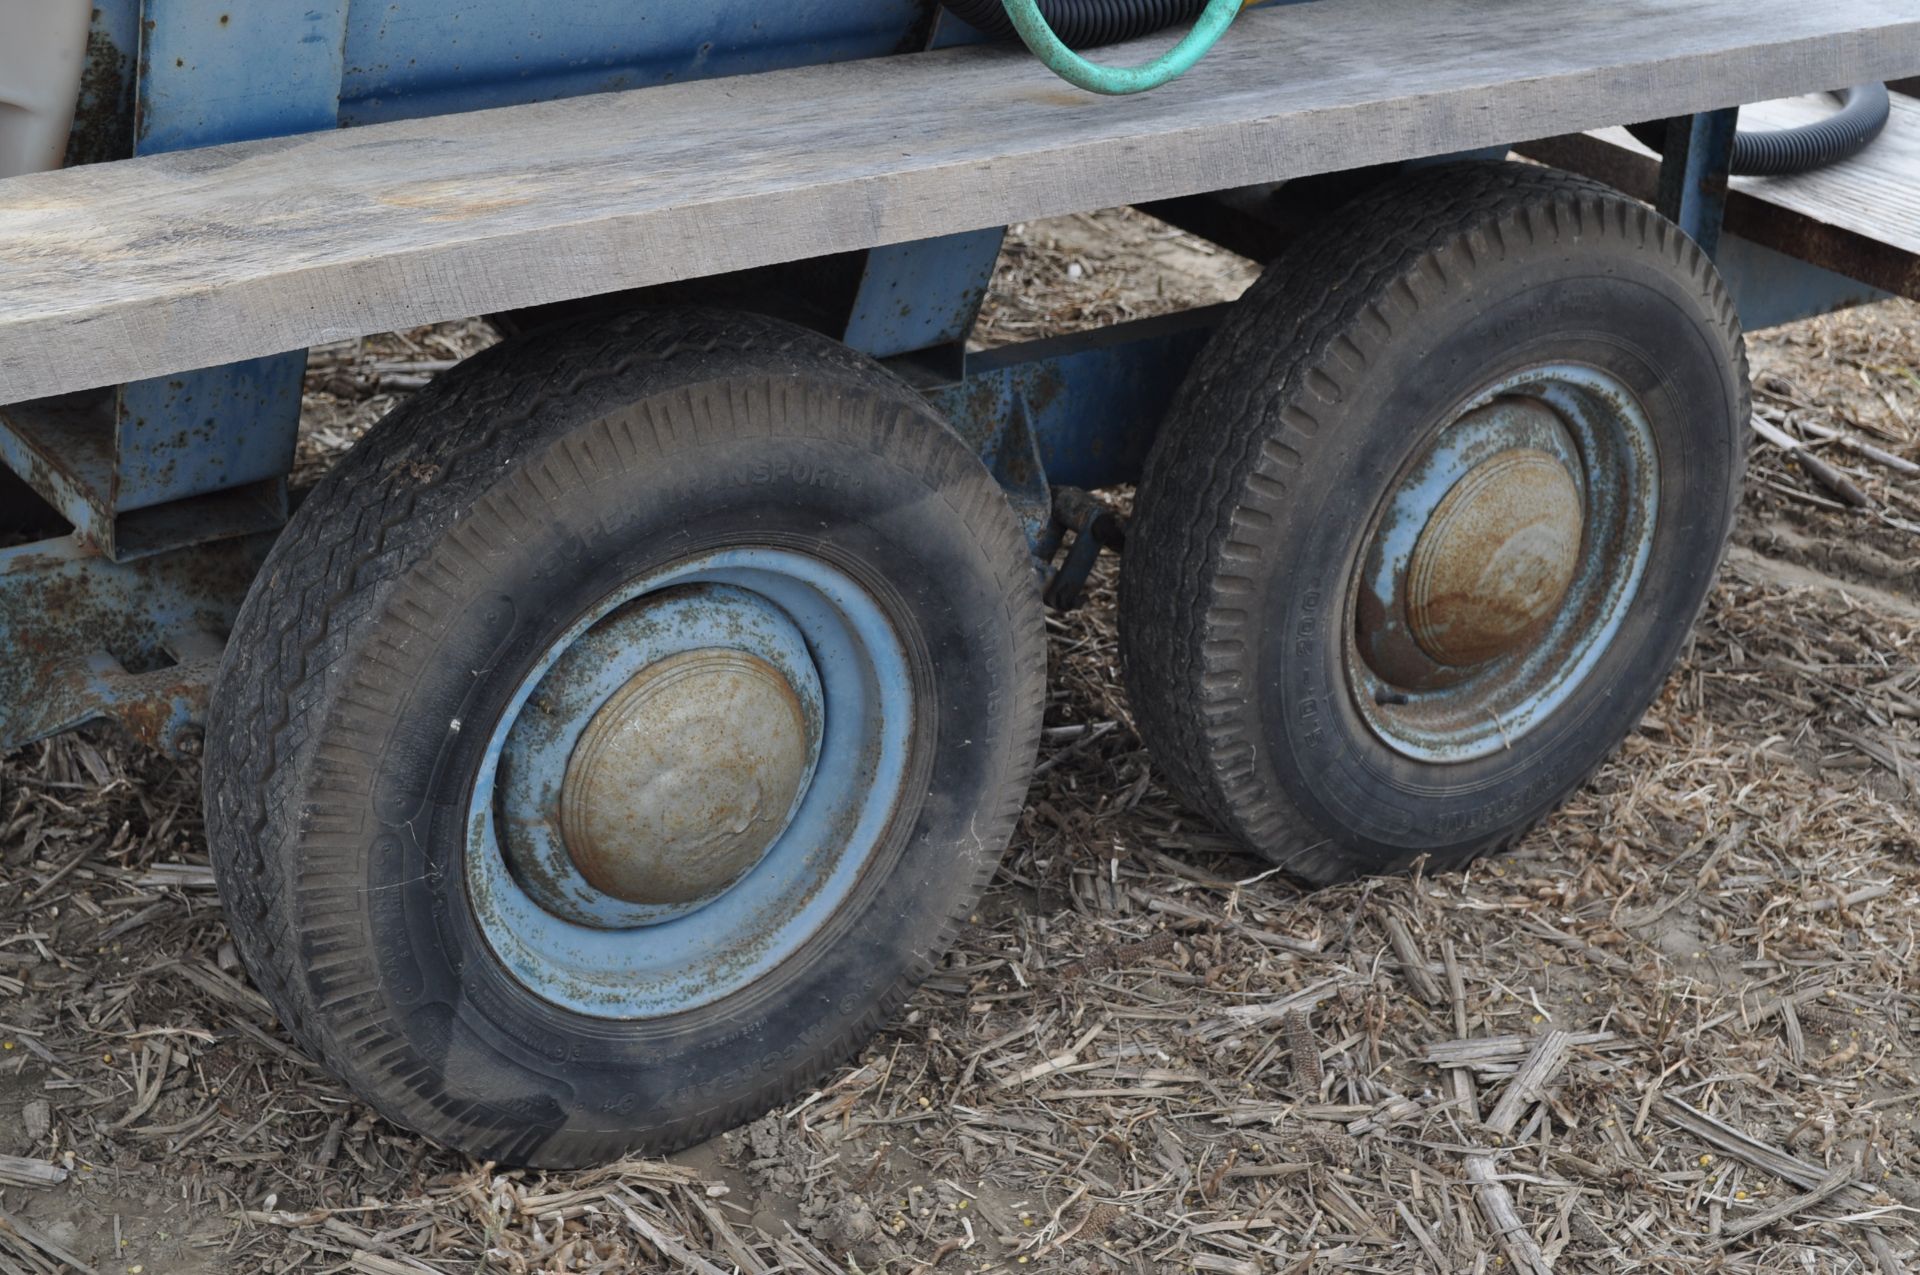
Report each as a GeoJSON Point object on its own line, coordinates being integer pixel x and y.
{"type": "Point", "coordinates": [157, 265]}
{"type": "Point", "coordinates": [1876, 194]}
{"type": "Point", "coordinates": [1859, 218]}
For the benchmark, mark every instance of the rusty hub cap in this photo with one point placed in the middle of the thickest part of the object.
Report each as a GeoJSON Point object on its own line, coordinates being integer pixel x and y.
{"type": "Point", "coordinates": [660, 758]}
{"type": "Point", "coordinates": [690, 782]}
{"type": "Point", "coordinates": [1494, 561]}
{"type": "Point", "coordinates": [1500, 563]}
{"type": "Point", "coordinates": [685, 777]}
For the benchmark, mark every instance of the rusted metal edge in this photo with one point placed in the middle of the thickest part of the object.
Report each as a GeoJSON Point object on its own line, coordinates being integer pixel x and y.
{"type": "Point", "coordinates": [84, 638]}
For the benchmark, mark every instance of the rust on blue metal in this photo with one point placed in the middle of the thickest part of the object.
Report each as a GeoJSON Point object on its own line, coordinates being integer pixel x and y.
{"type": "Point", "coordinates": [103, 118]}
{"type": "Point", "coordinates": [213, 71]}
{"type": "Point", "coordinates": [184, 436]}
{"type": "Point", "coordinates": [922, 294]}
{"type": "Point", "coordinates": [1094, 400]}
{"type": "Point", "coordinates": [85, 638]}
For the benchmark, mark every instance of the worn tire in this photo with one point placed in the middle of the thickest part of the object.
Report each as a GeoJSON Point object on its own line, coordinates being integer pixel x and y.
{"type": "Point", "coordinates": [1295, 420]}
{"type": "Point", "coordinates": [409, 592]}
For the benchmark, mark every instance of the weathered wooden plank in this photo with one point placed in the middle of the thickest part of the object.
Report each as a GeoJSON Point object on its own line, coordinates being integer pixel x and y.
{"type": "Point", "coordinates": [160, 264]}
{"type": "Point", "coordinates": [1859, 218]}
{"type": "Point", "coordinates": [1876, 194]}
{"type": "Point", "coordinates": [21, 1171]}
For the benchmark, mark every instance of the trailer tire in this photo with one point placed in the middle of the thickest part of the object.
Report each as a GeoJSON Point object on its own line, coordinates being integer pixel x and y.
{"type": "Point", "coordinates": [393, 671]}
{"type": "Point", "coordinates": [1296, 671]}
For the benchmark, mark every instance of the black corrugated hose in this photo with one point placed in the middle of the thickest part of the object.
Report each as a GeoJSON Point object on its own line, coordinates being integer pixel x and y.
{"type": "Point", "coordinates": [1776, 152]}
{"type": "Point", "coordinates": [1083, 24]}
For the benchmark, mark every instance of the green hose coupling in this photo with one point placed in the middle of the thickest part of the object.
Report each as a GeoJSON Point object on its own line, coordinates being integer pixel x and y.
{"type": "Point", "coordinates": [1118, 81]}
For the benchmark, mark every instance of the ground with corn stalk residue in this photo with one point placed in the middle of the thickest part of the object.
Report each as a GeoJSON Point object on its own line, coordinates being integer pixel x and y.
{"type": "Point", "coordinates": [1676, 1029]}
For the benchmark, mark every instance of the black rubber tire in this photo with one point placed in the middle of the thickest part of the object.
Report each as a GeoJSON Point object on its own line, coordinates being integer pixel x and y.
{"type": "Point", "coordinates": [1293, 424]}
{"type": "Point", "coordinates": [427, 572]}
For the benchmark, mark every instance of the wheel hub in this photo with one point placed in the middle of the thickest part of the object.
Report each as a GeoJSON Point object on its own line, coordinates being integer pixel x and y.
{"type": "Point", "coordinates": [1495, 559]}
{"type": "Point", "coordinates": [1479, 544]}
{"type": "Point", "coordinates": [664, 753]}
{"type": "Point", "coordinates": [685, 777]}
{"type": "Point", "coordinates": [668, 808]}
{"type": "Point", "coordinates": [1500, 562]}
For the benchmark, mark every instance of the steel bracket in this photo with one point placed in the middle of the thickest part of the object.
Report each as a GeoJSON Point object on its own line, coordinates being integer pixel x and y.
{"type": "Point", "coordinates": [91, 639]}
{"type": "Point", "coordinates": [1697, 161]}
{"type": "Point", "coordinates": [144, 468]}
{"type": "Point", "coordinates": [923, 295]}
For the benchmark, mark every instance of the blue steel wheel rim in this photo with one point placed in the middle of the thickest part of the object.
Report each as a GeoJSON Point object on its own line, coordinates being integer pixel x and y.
{"type": "Point", "coordinates": [1594, 428]}
{"type": "Point", "coordinates": [840, 821]}
{"type": "Point", "coordinates": [615, 648]}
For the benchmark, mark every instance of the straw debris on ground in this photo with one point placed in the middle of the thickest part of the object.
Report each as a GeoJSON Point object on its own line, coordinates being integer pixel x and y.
{"type": "Point", "coordinates": [1675, 1030]}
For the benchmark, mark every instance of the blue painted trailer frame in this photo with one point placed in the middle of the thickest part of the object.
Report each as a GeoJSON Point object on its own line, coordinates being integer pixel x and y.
{"type": "Point", "coordinates": [168, 483]}
{"type": "Point", "coordinates": [173, 487]}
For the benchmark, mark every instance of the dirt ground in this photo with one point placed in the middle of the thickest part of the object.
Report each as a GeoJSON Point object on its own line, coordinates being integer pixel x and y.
{"type": "Point", "coordinates": [1149, 1053]}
